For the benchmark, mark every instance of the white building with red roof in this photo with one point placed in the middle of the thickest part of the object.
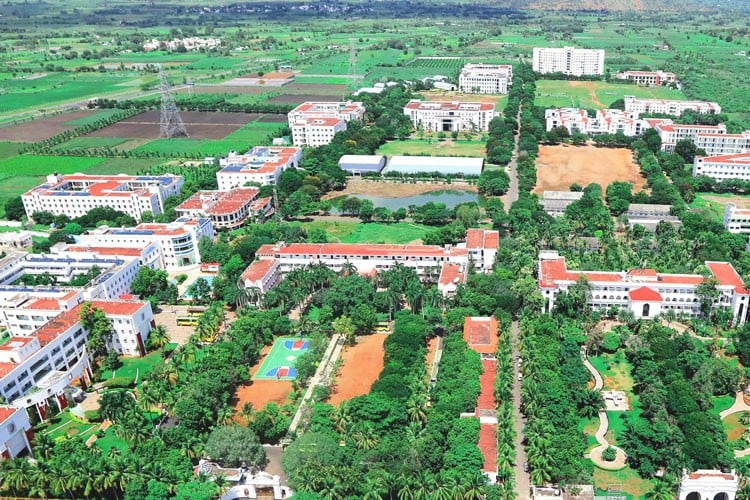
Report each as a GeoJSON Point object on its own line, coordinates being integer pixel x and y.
{"type": "Point", "coordinates": [733, 166]}
{"type": "Point", "coordinates": [159, 246]}
{"type": "Point", "coordinates": [648, 78]}
{"type": "Point", "coordinates": [227, 209]}
{"type": "Point", "coordinates": [485, 78]}
{"type": "Point", "coordinates": [669, 107]}
{"type": "Point", "coordinates": [76, 194]}
{"type": "Point", "coordinates": [736, 220]}
{"type": "Point", "coordinates": [428, 261]}
{"type": "Point", "coordinates": [671, 133]}
{"type": "Point", "coordinates": [315, 123]}
{"type": "Point", "coordinates": [708, 484]}
{"type": "Point", "coordinates": [36, 368]}
{"type": "Point", "coordinates": [451, 277]}
{"type": "Point", "coordinates": [15, 433]}
{"type": "Point", "coordinates": [716, 144]}
{"type": "Point", "coordinates": [450, 116]}
{"type": "Point", "coordinates": [644, 291]}
{"type": "Point", "coordinates": [262, 165]}
{"type": "Point", "coordinates": [606, 121]}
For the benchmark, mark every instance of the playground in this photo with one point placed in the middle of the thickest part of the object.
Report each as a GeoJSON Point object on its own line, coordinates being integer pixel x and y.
{"type": "Point", "coordinates": [279, 363]}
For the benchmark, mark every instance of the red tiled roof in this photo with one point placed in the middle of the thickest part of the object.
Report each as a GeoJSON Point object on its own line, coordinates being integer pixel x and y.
{"type": "Point", "coordinates": [219, 202]}
{"type": "Point", "coordinates": [451, 274]}
{"type": "Point", "coordinates": [6, 412]}
{"type": "Point", "coordinates": [43, 304]}
{"type": "Point", "coordinates": [355, 249]}
{"type": "Point", "coordinates": [727, 276]}
{"type": "Point", "coordinates": [15, 342]}
{"type": "Point", "coordinates": [482, 238]}
{"type": "Point", "coordinates": [65, 321]}
{"type": "Point", "coordinates": [715, 475]}
{"type": "Point", "coordinates": [736, 158]}
{"type": "Point", "coordinates": [642, 272]}
{"type": "Point", "coordinates": [6, 368]}
{"type": "Point", "coordinates": [315, 107]}
{"type": "Point", "coordinates": [488, 447]}
{"type": "Point", "coordinates": [320, 121]}
{"type": "Point", "coordinates": [258, 270]}
{"type": "Point", "coordinates": [480, 333]}
{"type": "Point", "coordinates": [645, 293]}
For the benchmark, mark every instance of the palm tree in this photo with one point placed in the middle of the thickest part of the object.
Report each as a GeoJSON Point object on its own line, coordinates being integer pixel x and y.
{"type": "Point", "coordinates": [416, 408]}
{"type": "Point", "coordinates": [43, 446]}
{"type": "Point", "coordinates": [473, 487]}
{"type": "Point", "coordinates": [590, 404]}
{"type": "Point", "coordinates": [39, 483]}
{"type": "Point", "coordinates": [225, 415]}
{"type": "Point", "coordinates": [158, 337]}
{"type": "Point", "coordinates": [663, 490]}
{"type": "Point", "coordinates": [16, 475]}
{"type": "Point", "coordinates": [373, 488]}
{"type": "Point", "coordinates": [539, 474]}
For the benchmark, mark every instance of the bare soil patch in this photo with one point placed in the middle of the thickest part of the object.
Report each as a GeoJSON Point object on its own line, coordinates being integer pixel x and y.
{"type": "Point", "coordinates": [224, 89]}
{"type": "Point", "coordinates": [200, 125]}
{"type": "Point", "coordinates": [260, 392]}
{"type": "Point", "coordinates": [361, 365]}
{"type": "Point", "coordinates": [590, 87]}
{"type": "Point", "coordinates": [272, 119]}
{"type": "Point", "coordinates": [560, 166]}
{"type": "Point", "coordinates": [44, 128]}
{"type": "Point", "coordinates": [432, 346]}
{"type": "Point", "coordinates": [299, 98]}
{"type": "Point", "coordinates": [740, 201]}
{"type": "Point", "coordinates": [389, 189]}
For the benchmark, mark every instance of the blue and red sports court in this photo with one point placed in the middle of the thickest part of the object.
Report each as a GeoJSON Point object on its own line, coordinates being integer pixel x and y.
{"type": "Point", "coordinates": [280, 360]}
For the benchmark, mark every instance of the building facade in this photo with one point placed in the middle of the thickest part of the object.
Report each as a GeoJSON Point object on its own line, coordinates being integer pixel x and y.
{"type": "Point", "coordinates": [716, 144]}
{"type": "Point", "coordinates": [261, 165]}
{"type": "Point", "coordinates": [708, 484]}
{"type": "Point", "coordinates": [75, 195]}
{"type": "Point", "coordinates": [453, 116]}
{"type": "Point", "coordinates": [644, 291]}
{"type": "Point", "coordinates": [671, 133]}
{"type": "Point", "coordinates": [736, 220]}
{"type": "Point", "coordinates": [556, 202]}
{"type": "Point", "coordinates": [648, 78]}
{"type": "Point", "coordinates": [606, 121]}
{"type": "Point", "coordinates": [315, 123]}
{"type": "Point", "coordinates": [227, 209]}
{"type": "Point", "coordinates": [15, 433]}
{"type": "Point", "coordinates": [736, 166]}
{"type": "Point", "coordinates": [568, 61]}
{"type": "Point", "coordinates": [669, 107]}
{"type": "Point", "coordinates": [485, 78]}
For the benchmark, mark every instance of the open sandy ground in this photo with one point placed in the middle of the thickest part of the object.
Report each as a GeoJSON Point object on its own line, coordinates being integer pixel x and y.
{"type": "Point", "coordinates": [361, 365]}
{"type": "Point", "coordinates": [260, 392]}
{"type": "Point", "coordinates": [391, 189]}
{"type": "Point", "coordinates": [560, 166]}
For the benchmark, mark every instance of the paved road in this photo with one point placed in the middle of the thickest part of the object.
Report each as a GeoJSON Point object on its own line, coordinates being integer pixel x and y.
{"type": "Point", "coordinates": [512, 195]}
{"type": "Point", "coordinates": [522, 478]}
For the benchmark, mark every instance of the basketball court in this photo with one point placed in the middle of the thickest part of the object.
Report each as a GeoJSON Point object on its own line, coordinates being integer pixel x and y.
{"type": "Point", "coordinates": [279, 363]}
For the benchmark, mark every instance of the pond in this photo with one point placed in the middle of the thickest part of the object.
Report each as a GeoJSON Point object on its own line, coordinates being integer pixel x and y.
{"type": "Point", "coordinates": [450, 197]}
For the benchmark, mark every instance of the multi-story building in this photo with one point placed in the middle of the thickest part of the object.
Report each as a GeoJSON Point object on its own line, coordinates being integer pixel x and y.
{"type": "Point", "coordinates": [715, 144]}
{"type": "Point", "coordinates": [316, 131]}
{"type": "Point", "coordinates": [671, 133]}
{"type": "Point", "coordinates": [428, 261]}
{"type": "Point", "coordinates": [315, 123]}
{"type": "Point", "coordinates": [650, 215]}
{"type": "Point", "coordinates": [736, 220]}
{"type": "Point", "coordinates": [35, 370]}
{"type": "Point", "coordinates": [568, 61]}
{"type": "Point", "coordinates": [556, 202]}
{"type": "Point", "coordinates": [648, 78]}
{"type": "Point", "coordinates": [15, 432]}
{"type": "Point", "coordinates": [606, 121]}
{"type": "Point", "coordinates": [175, 244]}
{"type": "Point", "coordinates": [669, 107]}
{"type": "Point", "coordinates": [75, 195]}
{"type": "Point", "coordinates": [227, 209]}
{"type": "Point", "coordinates": [261, 165]}
{"type": "Point", "coordinates": [644, 291]}
{"type": "Point", "coordinates": [445, 116]}
{"type": "Point", "coordinates": [736, 166]}
{"type": "Point", "coordinates": [485, 78]}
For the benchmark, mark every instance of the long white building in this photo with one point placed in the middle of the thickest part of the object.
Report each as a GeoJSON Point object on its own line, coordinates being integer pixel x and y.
{"type": "Point", "coordinates": [669, 107]}
{"type": "Point", "coordinates": [176, 243]}
{"type": "Point", "coordinates": [261, 165]}
{"type": "Point", "coordinates": [736, 220]}
{"type": "Point", "coordinates": [606, 121]}
{"type": "Point", "coordinates": [644, 291]}
{"type": "Point", "coordinates": [485, 78]}
{"type": "Point", "coordinates": [671, 133]}
{"type": "Point", "coordinates": [715, 144]}
{"type": "Point", "coordinates": [648, 78]}
{"type": "Point", "coordinates": [428, 261]}
{"type": "Point", "coordinates": [315, 123]}
{"type": "Point", "coordinates": [568, 61]}
{"type": "Point", "coordinates": [75, 195]}
{"type": "Point", "coordinates": [722, 167]}
{"type": "Point", "coordinates": [449, 116]}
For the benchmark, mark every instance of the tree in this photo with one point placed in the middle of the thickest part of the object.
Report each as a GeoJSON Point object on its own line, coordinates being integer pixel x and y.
{"type": "Point", "coordinates": [231, 445]}
{"type": "Point", "coordinates": [493, 182]}
{"type": "Point", "coordinates": [99, 327]}
{"type": "Point", "coordinates": [652, 139]}
{"type": "Point", "coordinates": [199, 291]}
{"type": "Point", "coordinates": [343, 326]}
{"type": "Point", "coordinates": [707, 292]}
{"type": "Point", "coordinates": [158, 337]}
{"type": "Point", "coordinates": [687, 150]}
{"type": "Point", "coordinates": [14, 209]}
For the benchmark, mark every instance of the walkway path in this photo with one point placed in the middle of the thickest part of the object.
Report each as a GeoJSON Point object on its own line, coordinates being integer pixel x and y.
{"type": "Point", "coordinates": [738, 407]}
{"type": "Point", "coordinates": [512, 195]}
{"type": "Point", "coordinates": [323, 376]}
{"type": "Point", "coordinates": [523, 484]}
{"type": "Point", "coordinates": [596, 454]}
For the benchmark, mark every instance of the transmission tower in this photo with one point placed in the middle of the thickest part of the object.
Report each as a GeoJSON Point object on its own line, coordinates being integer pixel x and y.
{"type": "Point", "coordinates": [170, 124]}
{"type": "Point", "coordinates": [353, 75]}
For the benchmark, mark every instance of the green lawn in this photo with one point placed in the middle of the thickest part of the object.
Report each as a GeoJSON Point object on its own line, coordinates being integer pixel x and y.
{"type": "Point", "coordinates": [447, 147]}
{"type": "Point", "coordinates": [594, 95]}
{"type": "Point", "coordinates": [632, 484]}
{"type": "Point", "coordinates": [109, 441]}
{"type": "Point", "coordinates": [32, 165]}
{"type": "Point", "coordinates": [715, 205]}
{"type": "Point", "coordinates": [64, 425]}
{"type": "Point", "coordinates": [140, 367]}
{"type": "Point", "coordinates": [99, 115]}
{"type": "Point", "coordinates": [722, 403]}
{"type": "Point", "coordinates": [114, 166]}
{"type": "Point", "coordinates": [371, 232]}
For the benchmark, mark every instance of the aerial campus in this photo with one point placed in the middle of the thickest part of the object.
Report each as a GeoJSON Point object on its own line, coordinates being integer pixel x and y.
{"type": "Point", "coordinates": [328, 250]}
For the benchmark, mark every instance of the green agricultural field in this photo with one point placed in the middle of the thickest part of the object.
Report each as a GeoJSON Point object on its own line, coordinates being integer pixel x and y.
{"type": "Point", "coordinates": [447, 147]}
{"type": "Point", "coordinates": [99, 115]}
{"type": "Point", "coordinates": [594, 95]}
{"type": "Point", "coordinates": [8, 149]}
{"type": "Point", "coordinates": [83, 143]}
{"type": "Point", "coordinates": [114, 166]}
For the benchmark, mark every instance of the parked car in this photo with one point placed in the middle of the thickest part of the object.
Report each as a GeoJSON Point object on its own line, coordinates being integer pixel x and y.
{"type": "Point", "coordinates": [526, 466]}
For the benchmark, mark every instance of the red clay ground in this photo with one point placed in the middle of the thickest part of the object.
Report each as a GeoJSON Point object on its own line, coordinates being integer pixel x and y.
{"type": "Point", "coordinates": [432, 345]}
{"type": "Point", "coordinates": [200, 125]}
{"type": "Point", "coordinates": [361, 365]}
{"type": "Point", "coordinates": [560, 166]}
{"type": "Point", "coordinates": [260, 392]}
{"type": "Point", "coordinates": [41, 129]}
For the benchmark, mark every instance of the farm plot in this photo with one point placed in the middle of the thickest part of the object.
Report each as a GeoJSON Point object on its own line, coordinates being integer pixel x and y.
{"type": "Point", "coordinates": [419, 68]}
{"type": "Point", "coordinates": [594, 95]}
{"type": "Point", "coordinates": [44, 128]}
{"type": "Point", "coordinates": [560, 166]}
{"type": "Point", "coordinates": [360, 367]}
{"type": "Point", "coordinates": [448, 147]}
{"type": "Point", "coordinates": [200, 125]}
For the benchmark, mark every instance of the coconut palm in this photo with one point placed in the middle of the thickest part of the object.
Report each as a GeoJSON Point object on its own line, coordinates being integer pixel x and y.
{"type": "Point", "coordinates": [158, 337]}
{"type": "Point", "coordinates": [663, 490]}
{"type": "Point", "coordinates": [416, 408]}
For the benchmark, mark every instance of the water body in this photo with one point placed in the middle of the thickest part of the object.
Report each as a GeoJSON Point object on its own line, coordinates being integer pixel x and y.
{"type": "Point", "coordinates": [450, 197]}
